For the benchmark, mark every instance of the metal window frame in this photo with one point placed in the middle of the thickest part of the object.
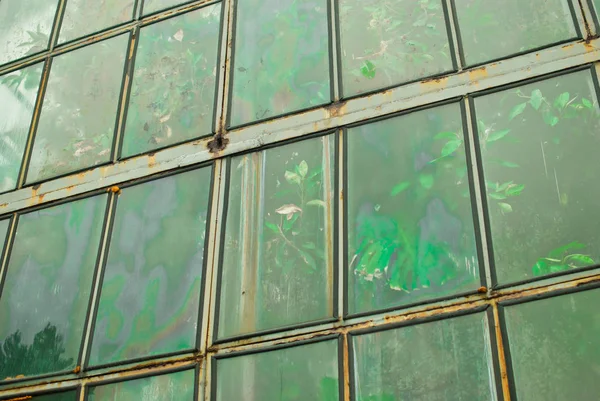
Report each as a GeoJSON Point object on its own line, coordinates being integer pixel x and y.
{"type": "Point", "coordinates": [334, 118]}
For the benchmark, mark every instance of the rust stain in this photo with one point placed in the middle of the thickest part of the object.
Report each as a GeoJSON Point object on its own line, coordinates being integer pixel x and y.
{"type": "Point", "coordinates": [69, 188]}
{"type": "Point", "coordinates": [588, 47]}
{"type": "Point", "coordinates": [77, 369]}
{"type": "Point", "coordinates": [114, 189]}
{"type": "Point", "coordinates": [27, 397]}
{"type": "Point", "coordinates": [336, 109]}
{"type": "Point", "coordinates": [482, 290]}
{"type": "Point", "coordinates": [217, 144]}
{"type": "Point", "coordinates": [477, 74]}
{"type": "Point", "coordinates": [40, 198]}
{"type": "Point", "coordinates": [151, 160]}
{"type": "Point", "coordinates": [501, 354]}
{"type": "Point", "coordinates": [4, 204]}
{"type": "Point", "coordinates": [435, 82]}
{"type": "Point", "coordinates": [567, 46]}
{"type": "Point", "coordinates": [81, 176]}
{"type": "Point", "coordinates": [346, 367]}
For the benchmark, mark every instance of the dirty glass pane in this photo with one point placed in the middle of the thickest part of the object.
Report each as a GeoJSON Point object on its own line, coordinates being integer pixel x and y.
{"type": "Point", "coordinates": [495, 29]}
{"type": "Point", "coordinates": [277, 267]}
{"type": "Point", "coordinates": [25, 27]}
{"type": "Point", "coordinates": [3, 233]}
{"type": "Point", "coordinates": [410, 224]}
{"type": "Point", "coordinates": [151, 287]}
{"type": "Point", "coordinates": [46, 293]}
{"type": "Point", "coordinates": [281, 61]}
{"type": "Point", "coordinates": [78, 115]}
{"type": "Point", "coordinates": [66, 396]}
{"type": "Point", "coordinates": [306, 372]}
{"type": "Point", "coordinates": [173, 89]}
{"type": "Point", "coordinates": [446, 360]}
{"type": "Point", "coordinates": [177, 386]}
{"type": "Point", "coordinates": [151, 6]}
{"type": "Point", "coordinates": [539, 147]}
{"type": "Point", "coordinates": [555, 347]}
{"type": "Point", "coordinates": [84, 17]}
{"type": "Point", "coordinates": [389, 42]}
{"type": "Point", "coordinates": [18, 91]}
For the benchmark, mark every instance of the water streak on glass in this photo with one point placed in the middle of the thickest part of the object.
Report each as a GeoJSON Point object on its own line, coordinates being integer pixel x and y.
{"type": "Point", "coordinates": [84, 17]}
{"type": "Point", "coordinates": [281, 58]}
{"type": "Point", "coordinates": [539, 147]}
{"type": "Point", "coordinates": [77, 120]}
{"type": "Point", "coordinates": [385, 43]}
{"type": "Point", "coordinates": [25, 27]}
{"type": "Point", "coordinates": [152, 6]}
{"type": "Point", "coordinates": [410, 225]}
{"type": "Point", "coordinates": [555, 347]}
{"type": "Point", "coordinates": [173, 89]}
{"type": "Point", "coordinates": [178, 386]}
{"type": "Point", "coordinates": [151, 286]}
{"type": "Point", "coordinates": [495, 29]}
{"type": "Point", "coordinates": [277, 267]}
{"type": "Point", "coordinates": [447, 360]}
{"type": "Point", "coordinates": [18, 92]}
{"type": "Point", "coordinates": [307, 372]}
{"type": "Point", "coordinates": [46, 293]}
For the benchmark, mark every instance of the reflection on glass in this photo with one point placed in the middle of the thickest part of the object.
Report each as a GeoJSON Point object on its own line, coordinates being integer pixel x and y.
{"type": "Point", "coordinates": [46, 292]}
{"type": "Point", "coordinates": [151, 286]}
{"type": "Point", "coordinates": [173, 89]}
{"type": "Point", "coordinates": [306, 372]}
{"type": "Point", "coordinates": [84, 17]}
{"type": "Point", "coordinates": [538, 143]}
{"type": "Point", "coordinates": [66, 396]}
{"type": "Point", "coordinates": [555, 347]}
{"type": "Point", "coordinates": [18, 92]}
{"type": "Point", "coordinates": [177, 386]}
{"type": "Point", "coordinates": [277, 267]}
{"type": "Point", "coordinates": [446, 360]}
{"type": "Point", "coordinates": [25, 27]}
{"type": "Point", "coordinates": [281, 61]}
{"type": "Point", "coordinates": [410, 225]}
{"type": "Point", "coordinates": [77, 120]}
{"type": "Point", "coordinates": [494, 29]}
{"type": "Point", "coordinates": [151, 6]}
{"type": "Point", "coordinates": [389, 42]}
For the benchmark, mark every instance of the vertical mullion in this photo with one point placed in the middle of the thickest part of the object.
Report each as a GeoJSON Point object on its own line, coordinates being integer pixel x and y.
{"type": "Point", "coordinates": [10, 234]}
{"type": "Point", "coordinates": [222, 103]}
{"type": "Point", "coordinates": [590, 16]}
{"type": "Point", "coordinates": [452, 22]}
{"type": "Point", "coordinates": [583, 14]}
{"type": "Point", "coordinates": [334, 49]}
{"type": "Point", "coordinates": [502, 359]}
{"type": "Point", "coordinates": [346, 366]}
{"type": "Point", "coordinates": [341, 225]}
{"type": "Point", "coordinates": [60, 12]}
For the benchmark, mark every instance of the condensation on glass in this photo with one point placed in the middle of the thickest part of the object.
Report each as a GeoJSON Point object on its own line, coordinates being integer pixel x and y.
{"type": "Point", "coordinates": [389, 42]}
{"type": "Point", "coordinates": [445, 360]}
{"type": "Point", "coordinates": [151, 285]}
{"type": "Point", "coordinates": [173, 90]}
{"type": "Point", "coordinates": [79, 110]}
{"type": "Point", "coordinates": [538, 146]}
{"type": "Point", "coordinates": [410, 225]}
{"type": "Point", "coordinates": [281, 58]}
{"type": "Point", "coordinates": [302, 372]}
{"type": "Point", "coordinates": [45, 296]}
{"type": "Point", "coordinates": [277, 263]}
{"type": "Point", "coordinates": [18, 93]}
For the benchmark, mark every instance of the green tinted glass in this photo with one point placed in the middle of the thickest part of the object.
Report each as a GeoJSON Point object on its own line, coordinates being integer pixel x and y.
{"type": "Point", "coordinates": [66, 396]}
{"type": "Point", "coordinates": [446, 360]}
{"type": "Point", "coordinates": [152, 6]}
{"type": "Point", "coordinates": [84, 17]}
{"type": "Point", "coordinates": [555, 347]}
{"type": "Point", "coordinates": [46, 293]}
{"type": "Point", "coordinates": [3, 233]}
{"type": "Point", "coordinates": [173, 89]}
{"type": "Point", "coordinates": [25, 27]}
{"type": "Point", "coordinates": [19, 90]}
{"type": "Point", "coordinates": [277, 267]}
{"type": "Point", "coordinates": [389, 42]}
{"type": "Point", "coordinates": [151, 286]}
{"type": "Point", "coordinates": [178, 386]}
{"type": "Point", "coordinates": [410, 224]}
{"type": "Point", "coordinates": [77, 120]}
{"type": "Point", "coordinates": [495, 29]}
{"type": "Point", "coordinates": [281, 61]}
{"type": "Point", "coordinates": [307, 372]}
{"type": "Point", "coordinates": [538, 143]}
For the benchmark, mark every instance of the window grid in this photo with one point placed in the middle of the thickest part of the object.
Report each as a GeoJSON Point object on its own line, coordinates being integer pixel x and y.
{"type": "Point", "coordinates": [362, 108]}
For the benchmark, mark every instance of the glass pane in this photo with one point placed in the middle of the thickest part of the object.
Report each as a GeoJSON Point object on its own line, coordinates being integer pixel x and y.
{"type": "Point", "coordinates": [539, 147]}
{"type": "Point", "coordinates": [173, 89]}
{"type": "Point", "coordinates": [25, 27]}
{"type": "Point", "coordinates": [3, 233]}
{"type": "Point", "coordinates": [151, 285]}
{"type": "Point", "coordinates": [77, 120]}
{"type": "Point", "coordinates": [277, 267]}
{"type": "Point", "coordinates": [410, 230]}
{"type": "Point", "coordinates": [83, 17]}
{"type": "Point", "coordinates": [170, 387]}
{"type": "Point", "coordinates": [151, 6]}
{"type": "Point", "coordinates": [281, 61]}
{"type": "Point", "coordinates": [18, 91]}
{"type": "Point", "coordinates": [66, 396]}
{"type": "Point", "coordinates": [46, 293]}
{"type": "Point", "coordinates": [596, 8]}
{"type": "Point", "coordinates": [511, 26]}
{"type": "Point", "coordinates": [389, 42]}
{"type": "Point", "coordinates": [555, 347]}
{"type": "Point", "coordinates": [446, 360]}
{"type": "Point", "coordinates": [307, 372]}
